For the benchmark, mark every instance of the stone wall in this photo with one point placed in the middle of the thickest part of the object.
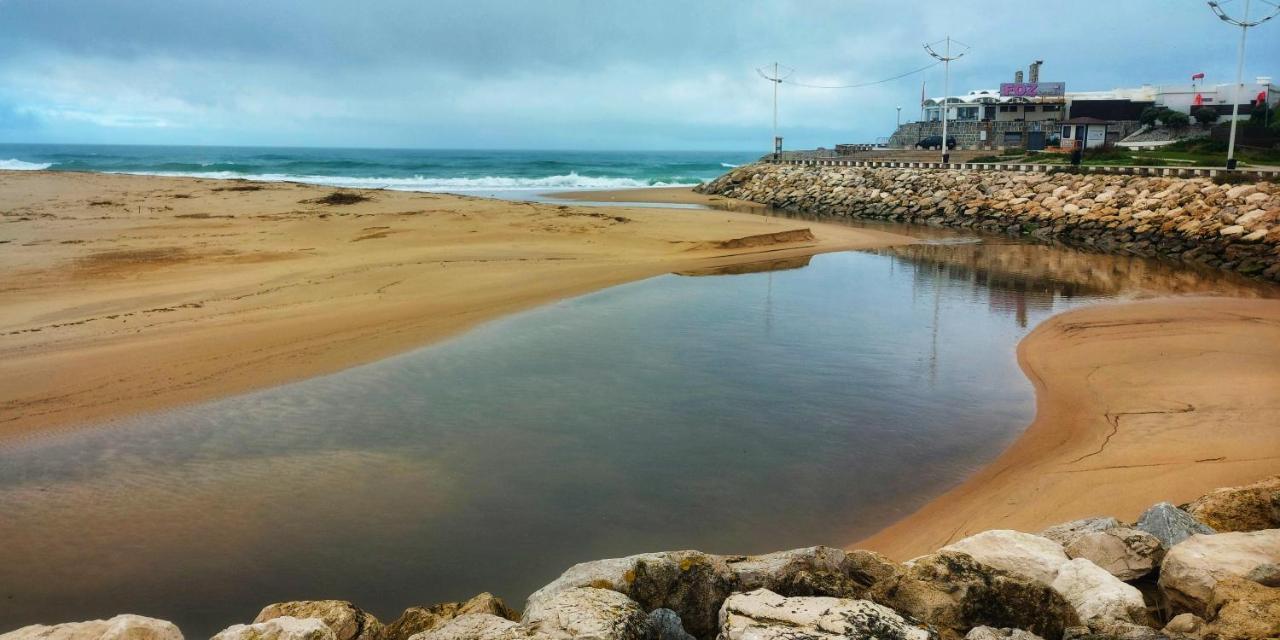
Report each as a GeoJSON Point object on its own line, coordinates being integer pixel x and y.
{"type": "Point", "coordinates": [1232, 227]}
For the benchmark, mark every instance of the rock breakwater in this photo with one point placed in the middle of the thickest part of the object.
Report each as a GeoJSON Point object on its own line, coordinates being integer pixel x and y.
{"type": "Point", "coordinates": [1235, 227]}
{"type": "Point", "coordinates": [1166, 576]}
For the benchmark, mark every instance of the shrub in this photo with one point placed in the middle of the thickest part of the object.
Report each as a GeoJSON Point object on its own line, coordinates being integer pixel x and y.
{"type": "Point", "coordinates": [1149, 116]}
{"type": "Point", "coordinates": [340, 198]}
{"type": "Point", "coordinates": [1175, 119]}
{"type": "Point", "coordinates": [1205, 115]}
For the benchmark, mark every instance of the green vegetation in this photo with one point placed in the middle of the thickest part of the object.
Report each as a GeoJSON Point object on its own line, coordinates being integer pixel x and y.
{"type": "Point", "coordinates": [1205, 115]}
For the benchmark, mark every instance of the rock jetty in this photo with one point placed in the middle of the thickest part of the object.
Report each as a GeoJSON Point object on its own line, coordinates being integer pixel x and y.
{"type": "Point", "coordinates": [1167, 576]}
{"type": "Point", "coordinates": [1235, 227]}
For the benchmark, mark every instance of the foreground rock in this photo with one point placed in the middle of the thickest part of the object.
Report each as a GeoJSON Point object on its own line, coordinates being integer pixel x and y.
{"type": "Point", "coordinates": [955, 593]}
{"type": "Point", "coordinates": [1242, 608]}
{"type": "Point", "coordinates": [990, 633]}
{"type": "Point", "coordinates": [765, 615]}
{"type": "Point", "coordinates": [1099, 598]}
{"type": "Point", "coordinates": [476, 626]}
{"type": "Point", "coordinates": [1022, 554]}
{"type": "Point", "coordinates": [347, 621]}
{"type": "Point", "coordinates": [281, 628]}
{"type": "Point", "coordinates": [122, 627]}
{"type": "Point", "coordinates": [587, 612]}
{"type": "Point", "coordinates": [1248, 508]}
{"type": "Point", "coordinates": [1127, 554]}
{"type": "Point", "coordinates": [1170, 525]}
{"type": "Point", "coordinates": [695, 584]}
{"type": "Point", "coordinates": [418, 619]}
{"type": "Point", "coordinates": [1067, 532]}
{"type": "Point", "coordinates": [1192, 569]}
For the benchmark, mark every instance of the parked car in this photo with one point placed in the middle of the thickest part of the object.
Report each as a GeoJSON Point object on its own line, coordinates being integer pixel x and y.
{"type": "Point", "coordinates": [935, 142]}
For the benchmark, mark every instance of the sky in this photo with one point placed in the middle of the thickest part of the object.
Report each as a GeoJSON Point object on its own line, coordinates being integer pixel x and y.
{"type": "Point", "coordinates": [560, 74]}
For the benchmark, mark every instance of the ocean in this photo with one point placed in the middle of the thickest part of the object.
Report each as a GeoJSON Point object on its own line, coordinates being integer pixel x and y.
{"type": "Point", "coordinates": [463, 171]}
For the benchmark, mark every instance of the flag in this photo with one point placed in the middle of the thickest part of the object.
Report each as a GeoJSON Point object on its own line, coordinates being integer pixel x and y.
{"type": "Point", "coordinates": [1199, 101]}
{"type": "Point", "coordinates": [1262, 97]}
{"type": "Point", "coordinates": [1198, 76]}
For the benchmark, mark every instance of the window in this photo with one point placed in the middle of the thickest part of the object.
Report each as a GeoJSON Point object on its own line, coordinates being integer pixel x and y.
{"type": "Point", "coordinates": [1030, 108]}
{"type": "Point", "coordinates": [1007, 108]}
{"type": "Point", "coordinates": [1052, 107]}
{"type": "Point", "coordinates": [1066, 132]}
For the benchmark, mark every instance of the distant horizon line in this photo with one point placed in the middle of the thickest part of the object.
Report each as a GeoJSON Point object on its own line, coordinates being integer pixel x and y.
{"type": "Point", "coordinates": [372, 148]}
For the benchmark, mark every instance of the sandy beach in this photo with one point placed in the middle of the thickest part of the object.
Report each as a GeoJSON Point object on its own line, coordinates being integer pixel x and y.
{"type": "Point", "coordinates": [126, 294]}
{"type": "Point", "coordinates": [1136, 403]}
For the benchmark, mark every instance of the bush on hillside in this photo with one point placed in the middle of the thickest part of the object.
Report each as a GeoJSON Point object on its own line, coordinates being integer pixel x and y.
{"type": "Point", "coordinates": [1175, 119]}
{"type": "Point", "coordinates": [1205, 115]}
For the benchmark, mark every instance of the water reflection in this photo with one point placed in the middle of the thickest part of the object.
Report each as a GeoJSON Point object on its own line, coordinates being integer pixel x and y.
{"type": "Point", "coordinates": [742, 413]}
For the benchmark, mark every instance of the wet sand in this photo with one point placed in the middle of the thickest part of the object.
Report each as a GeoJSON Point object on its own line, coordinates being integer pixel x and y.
{"type": "Point", "coordinates": [1136, 403]}
{"type": "Point", "coordinates": [127, 294]}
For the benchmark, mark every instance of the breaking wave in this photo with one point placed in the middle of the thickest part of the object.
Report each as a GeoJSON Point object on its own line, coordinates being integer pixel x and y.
{"type": "Point", "coordinates": [567, 181]}
{"type": "Point", "coordinates": [14, 164]}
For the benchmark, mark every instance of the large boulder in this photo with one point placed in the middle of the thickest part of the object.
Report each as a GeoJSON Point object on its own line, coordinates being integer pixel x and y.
{"type": "Point", "coordinates": [1243, 609]}
{"type": "Point", "coordinates": [418, 619]}
{"type": "Point", "coordinates": [1099, 598]}
{"type": "Point", "coordinates": [587, 613]}
{"type": "Point", "coordinates": [282, 628]}
{"type": "Point", "coordinates": [1170, 524]}
{"type": "Point", "coordinates": [347, 621]}
{"type": "Point", "coordinates": [694, 584]}
{"type": "Point", "coordinates": [122, 627]}
{"type": "Point", "coordinates": [1191, 569]}
{"type": "Point", "coordinates": [1126, 553]}
{"type": "Point", "coordinates": [1066, 533]}
{"type": "Point", "coordinates": [664, 624]}
{"type": "Point", "coordinates": [1022, 554]}
{"type": "Point", "coordinates": [955, 593]}
{"type": "Point", "coordinates": [991, 633]}
{"type": "Point", "coordinates": [478, 626]}
{"type": "Point", "coordinates": [691, 583]}
{"type": "Point", "coordinates": [1248, 508]}
{"type": "Point", "coordinates": [765, 615]}
{"type": "Point", "coordinates": [813, 571]}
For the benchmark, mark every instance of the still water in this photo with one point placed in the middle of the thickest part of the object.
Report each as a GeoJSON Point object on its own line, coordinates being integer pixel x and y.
{"type": "Point", "coordinates": [789, 404]}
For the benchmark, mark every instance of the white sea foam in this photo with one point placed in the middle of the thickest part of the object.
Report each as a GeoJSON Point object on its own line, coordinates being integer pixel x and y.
{"type": "Point", "coordinates": [729, 166]}
{"type": "Point", "coordinates": [14, 164]}
{"type": "Point", "coordinates": [566, 182]}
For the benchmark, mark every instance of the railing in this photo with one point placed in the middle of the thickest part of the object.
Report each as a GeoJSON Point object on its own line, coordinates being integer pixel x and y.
{"type": "Point", "coordinates": [1177, 172]}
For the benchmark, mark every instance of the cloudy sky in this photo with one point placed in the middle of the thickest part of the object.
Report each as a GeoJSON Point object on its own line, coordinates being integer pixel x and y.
{"type": "Point", "coordinates": [553, 74]}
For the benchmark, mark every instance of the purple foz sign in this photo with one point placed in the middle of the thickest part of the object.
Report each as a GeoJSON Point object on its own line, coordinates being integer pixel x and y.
{"type": "Point", "coordinates": [1033, 89]}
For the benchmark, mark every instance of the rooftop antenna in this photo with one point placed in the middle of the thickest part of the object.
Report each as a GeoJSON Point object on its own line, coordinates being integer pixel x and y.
{"type": "Point", "coordinates": [776, 79]}
{"type": "Point", "coordinates": [1244, 25]}
{"type": "Point", "coordinates": [946, 59]}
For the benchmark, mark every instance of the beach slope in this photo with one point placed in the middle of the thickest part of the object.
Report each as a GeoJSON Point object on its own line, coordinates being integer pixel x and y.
{"type": "Point", "coordinates": [1136, 403]}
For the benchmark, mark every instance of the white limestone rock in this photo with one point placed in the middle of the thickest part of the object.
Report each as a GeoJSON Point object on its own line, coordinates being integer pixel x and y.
{"type": "Point", "coordinates": [1022, 554]}
{"type": "Point", "coordinates": [122, 627]}
{"type": "Point", "coordinates": [1066, 533]}
{"type": "Point", "coordinates": [1192, 568]}
{"type": "Point", "coordinates": [1125, 553]}
{"type": "Point", "coordinates": [765, 615]}
{"type": "Point", "coordinates": [587, 613]}
{"type": "Point", "coordinates": [280, 628]}
{"type": "Point", "coordinates": [991, 633]}
{"type": "Point", "coordinates": [1099, 597]}
{"type": "Point", "coordinates": [477, 626]}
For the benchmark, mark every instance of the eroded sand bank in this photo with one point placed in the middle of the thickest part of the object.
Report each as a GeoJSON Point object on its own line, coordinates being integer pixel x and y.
{"type": "Point", "coordinates": [1136, 403]}
{"type": "Point", "coordinates": [124, 294]}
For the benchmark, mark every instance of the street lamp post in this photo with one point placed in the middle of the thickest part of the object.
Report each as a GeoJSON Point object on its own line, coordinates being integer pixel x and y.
{"type": "Point", "coordinates": [899, 118]}
{"type": "Point", "coordinates": [1244, 25]}
{"type": "Point", "coordinates": [946, 59]}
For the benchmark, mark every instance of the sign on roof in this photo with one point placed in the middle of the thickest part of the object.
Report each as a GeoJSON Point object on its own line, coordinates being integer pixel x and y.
{"type": "Point", "coordinates": [1033, 89]}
